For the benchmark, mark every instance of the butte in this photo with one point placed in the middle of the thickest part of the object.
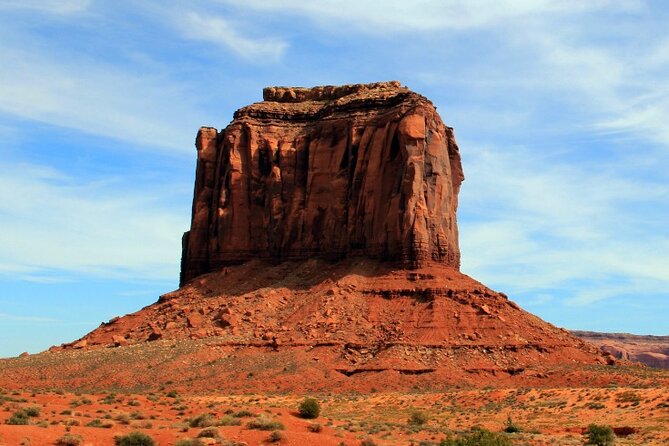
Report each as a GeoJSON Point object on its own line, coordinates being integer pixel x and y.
{"type": "Point", "coordinates": [323, 254]}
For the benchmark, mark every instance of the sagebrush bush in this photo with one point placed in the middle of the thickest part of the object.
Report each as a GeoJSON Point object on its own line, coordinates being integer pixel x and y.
{"type": "Point", "coordinates": [276, 436]}
{"type": "Point", "coordinates": [600, 435]}
{"type": "Point", "coordinates": [228, 420]}
{"type": "Point", "coordinates": [417, 418]}
{"type": "Point", "coordinates": [309, 408]}
{"type": "Point", "coordinates": [511, 427]}
{"type": "Point", "coordinates": [189, 442]}
{"type": "Point", "coordinates": [20, 417]}
{"type": "Point", "coordinates": [315, 427]}
{"type": "Point", "coordinates": [477, 436]}
{"type": "Point", "coordinates": [210, 432]}
{"type": "Point", "coordinates": [203, 420]}
{"type": "Point", "coordinates": [134, 439]}
{"type": "Point", "coordinates": [265, 424]}
{"type": "Point", "coordinates": [70, 440]}
{"type": "Point", "coordinates": [32, 411]}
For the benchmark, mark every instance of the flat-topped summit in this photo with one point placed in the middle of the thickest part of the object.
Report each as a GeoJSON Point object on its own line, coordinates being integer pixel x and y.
{"type": "Point", "coordinates": [362, 170]}
{"type": "Point", "coordinates": [300, 104]}
{"type": "Point", "coordinates": [329, 92]}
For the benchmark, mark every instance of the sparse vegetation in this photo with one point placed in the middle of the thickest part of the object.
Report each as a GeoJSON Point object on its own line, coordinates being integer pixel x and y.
{"type": "Point", "coordinates": [600, 435]}
{"type": "Point", "coordinates": [20, 417]}
{"type": "Point", "coordinates": [511, 427]}
{"type": "Point", "coordinates": [315, 427]}
{"type": "Point", "coordinates": [69, 440]}
{"type": "Point", "coordinates": [32, 411]}
{"type": "Point", "coordinates": [203, 420]}
{"type": "Point", "coordinates": [417, 418]}
{"type": "Point", "coordinates": [210, 432]}
{"type": "Point", "coordinates": [229, 420]}
{"type": "Point", "coordinates": [276, 436]}
{"type": "Point", "coordinates": [134, 439]}
{"type": "Point", "coordinates": [477, 437]}
{"type": "Point", "coordinates": [189, 442]}
{"type": "Point", "coordinates": [309, 408]}
{"type": "Point", "coordinates": [265, 424]}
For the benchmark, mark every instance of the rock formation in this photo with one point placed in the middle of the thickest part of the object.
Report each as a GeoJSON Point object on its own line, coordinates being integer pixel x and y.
{"type": "Point", "coordinates": [323, 253]}
{"type": "Point", "coordinates": [652, 351]}
{"type": "Point", "coordinates": [332, 172]}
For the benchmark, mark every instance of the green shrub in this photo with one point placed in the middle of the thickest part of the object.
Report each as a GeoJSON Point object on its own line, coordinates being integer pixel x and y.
{"type": "Point", "coordinates": [210, 432]}
{"type": "Point", "coordinates": [134, 439]}
{"type": "Point", "coordinates": [511, 427]}
{"type": "Point", "coordinates": [203, 420]}
{"type": "Point", "coordinates": [69, 440]}
{"type": "Point", "coordinates": [32, 411]}
{"type": "Point", "coordinates": [315, 427]}
{"type": "Point", "coordinates": [477, 436]}
{"type": "Point", "coordinates": [417, 418]}
{"type": "Point", "coordinates": [309, 408]}
{"type": "Point", "coordinates": [189, 442]}
{"type": "Point", "coordinates": [20, 417]}
{"type": "Point", "coordinates": [265, 424]}
{"type": "Point", "coordinates": [600, 435]}
{"type": "Point", "coordinates": [228, 420]}
{"type": "Point", "coordinates": [243, 414]}
{"type": "Point", "coordinates": [276, 436]}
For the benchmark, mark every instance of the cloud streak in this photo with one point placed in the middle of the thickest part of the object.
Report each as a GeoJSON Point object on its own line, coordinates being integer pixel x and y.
{"type": "Point", "coordinates": [543, 224]}
{"type": "Point", "coordinates": [52, 222]}
{"type": "Point", "coordinates": [222, 32]}
{"type": "Point", "coordinates": [430, 15]}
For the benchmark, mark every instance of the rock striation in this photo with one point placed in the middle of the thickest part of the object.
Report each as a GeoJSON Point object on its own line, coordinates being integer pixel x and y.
{"type": "Point", "coordinates": [330, 172]}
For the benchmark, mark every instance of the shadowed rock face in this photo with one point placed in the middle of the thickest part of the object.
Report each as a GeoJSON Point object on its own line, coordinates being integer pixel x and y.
{"type": "Point", "coordinates": [357, 170]}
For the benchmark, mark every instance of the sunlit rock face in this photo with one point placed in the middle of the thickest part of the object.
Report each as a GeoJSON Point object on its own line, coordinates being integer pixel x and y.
{"type": "Point", "coordinates": [331, 172]}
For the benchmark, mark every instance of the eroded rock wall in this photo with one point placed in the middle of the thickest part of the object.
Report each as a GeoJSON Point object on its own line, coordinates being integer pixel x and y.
{"type": "Point", "coordinates": [358, 170]}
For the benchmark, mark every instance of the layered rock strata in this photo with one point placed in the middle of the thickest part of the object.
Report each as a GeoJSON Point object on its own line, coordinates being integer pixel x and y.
{"type": "Point", "coordinates": [332, 172]}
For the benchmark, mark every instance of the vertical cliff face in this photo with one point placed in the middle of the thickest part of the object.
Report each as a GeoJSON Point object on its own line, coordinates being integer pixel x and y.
{"type": "Point", "coordinates": [357, 170]}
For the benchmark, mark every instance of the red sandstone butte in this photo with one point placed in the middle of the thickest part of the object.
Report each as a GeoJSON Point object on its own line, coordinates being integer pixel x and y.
{"type": "Point", "coordinates": [323, 254]}
{"type": "Point", "coordinates": [332, 172]}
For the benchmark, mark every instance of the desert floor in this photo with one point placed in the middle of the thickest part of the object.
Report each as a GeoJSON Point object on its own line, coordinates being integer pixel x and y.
{"type": "Point", "coordinates": [545, 416]}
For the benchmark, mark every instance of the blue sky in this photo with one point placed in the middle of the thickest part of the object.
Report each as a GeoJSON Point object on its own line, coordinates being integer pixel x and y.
{"type": "Point", "coordinates": [560, 108]}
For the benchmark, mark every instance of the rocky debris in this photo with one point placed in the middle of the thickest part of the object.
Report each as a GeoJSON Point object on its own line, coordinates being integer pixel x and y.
{"type": "Point", "coordinates": [332, 172]}
{"type": "Point", "coordinates": [367, 314]}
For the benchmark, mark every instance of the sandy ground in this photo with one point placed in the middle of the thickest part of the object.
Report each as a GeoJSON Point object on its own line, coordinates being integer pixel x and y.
{"type": "Point", "coordinates": [555, 416]}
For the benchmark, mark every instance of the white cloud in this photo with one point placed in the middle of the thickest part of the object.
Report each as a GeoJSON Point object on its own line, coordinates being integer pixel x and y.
{"type": "Point", "coordinates": [221, 31]}
{"type": "Point", "coordinates": [531, 223]}
{"type": "Point", "coordinates": [96, 98]}
{"type": "Point", "coordinates": [53, 223]}
{"type": "Point", "coordinates": [425, 15]}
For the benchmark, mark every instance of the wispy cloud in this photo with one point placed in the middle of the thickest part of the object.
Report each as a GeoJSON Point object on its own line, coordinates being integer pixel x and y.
{"type": "Point", "coordinates": [97, 99]}
{"type": "Point", "coordinates": [52, 222]}
{"type": "Point", "coordinates": [427, 15]}
{"type": "Point", "coordinates": [541, 223]}
{"type": "Point", "coordinates": [222, 32]}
